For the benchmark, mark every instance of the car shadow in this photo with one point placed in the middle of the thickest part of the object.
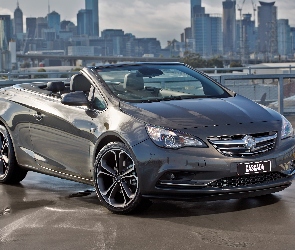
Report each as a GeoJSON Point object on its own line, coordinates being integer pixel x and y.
{"type": "Point", "coordinates": [166, 209]}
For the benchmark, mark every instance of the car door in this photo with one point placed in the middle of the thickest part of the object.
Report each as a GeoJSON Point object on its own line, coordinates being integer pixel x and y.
{"type": "Point", "coordinates": [63, 137]}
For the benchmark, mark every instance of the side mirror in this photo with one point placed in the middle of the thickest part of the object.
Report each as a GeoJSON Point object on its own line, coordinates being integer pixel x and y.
{"type": "Point", "coordinates": [77, 98]}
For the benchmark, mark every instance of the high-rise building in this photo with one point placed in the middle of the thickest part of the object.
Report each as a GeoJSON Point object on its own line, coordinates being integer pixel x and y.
{"type": "Point", "coordinates": [229, 27]}
{"type": "Point", "coordinates": [42, 24]}
{"type": "Point", "coordinates": [5, 31]}
{"type": "Point", "coordinates": [216, 35]}
{"type": "Point", "coordinates": [31, 23]}
{"type": "Point", "coordinates": [201, 34]}
{"type": "Point", "coordinates": [284, 38]}
{"type": "Point", "coordinates": [84, 22]}
{"type": "Point", "coordinates": [18, 20]}
{"type": "Point", "coordinates": [195, 4]}
{"type": "Point", "coordinates": [204, 42]}
{"type": "Point", "coordinates": [93, 6]}
{"type": "Point", "coordinates": [246, 38]}
{"type": "Point", "coordinates": [53, 21]}
{"type": "Point", "coordinates": [293, 39]}
{"type": "Point", "coordinates": [267, 28]}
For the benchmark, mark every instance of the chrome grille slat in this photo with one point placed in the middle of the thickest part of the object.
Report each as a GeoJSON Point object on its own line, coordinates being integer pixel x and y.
{"type": "Point", "coordinates": [235, 145]}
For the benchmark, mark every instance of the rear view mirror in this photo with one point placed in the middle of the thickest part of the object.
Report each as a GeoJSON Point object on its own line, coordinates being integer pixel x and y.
{"type": "Point", "coordinates": [77, 98]}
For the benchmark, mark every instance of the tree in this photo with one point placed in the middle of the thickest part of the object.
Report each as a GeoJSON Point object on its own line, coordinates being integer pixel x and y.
{"type": "Point", "coordinates": [194, 60]}
{"type": "Point", "coordinates": [236, 65]}
{"type": "Point", "coordinates": [41, 76]}
{"type": "Point", "coordinates": [26, 65]}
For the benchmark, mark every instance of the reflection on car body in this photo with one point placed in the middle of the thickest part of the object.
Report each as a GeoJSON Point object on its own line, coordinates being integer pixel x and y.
{"type": "Point", "coordinates": [145, 130]}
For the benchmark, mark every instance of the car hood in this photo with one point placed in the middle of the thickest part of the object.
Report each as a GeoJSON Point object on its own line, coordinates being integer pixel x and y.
{"type": "Point", "coordinates": [192, 113]}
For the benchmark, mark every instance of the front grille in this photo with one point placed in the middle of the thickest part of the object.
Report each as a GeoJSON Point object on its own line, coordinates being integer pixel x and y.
{"type": "Point", "coordinates": [247, 180]}
{"type": "Point", "coordinates": [236, 145]}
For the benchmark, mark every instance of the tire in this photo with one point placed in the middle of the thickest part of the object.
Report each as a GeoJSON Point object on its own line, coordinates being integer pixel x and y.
{"type": "Point", "coordinates": [10, 172]}
{"type": "Point", "coordinates": [116, 180]}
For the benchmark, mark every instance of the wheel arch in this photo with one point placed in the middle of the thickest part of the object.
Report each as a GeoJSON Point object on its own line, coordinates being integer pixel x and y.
{"type": "Point", "coordinates": [107, 138]}
{"type": "Point", "coordinates": [4, 124]}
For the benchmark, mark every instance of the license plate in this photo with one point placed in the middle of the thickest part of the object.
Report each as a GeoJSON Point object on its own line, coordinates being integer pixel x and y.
{"type": "Point", "coordinates": [254, 167]}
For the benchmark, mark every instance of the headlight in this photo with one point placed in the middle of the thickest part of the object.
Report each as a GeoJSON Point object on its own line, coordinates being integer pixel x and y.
{"type": "Point", "coordinates": [287, 129]}
{"type": "Point", "coordinates": [172, 139]}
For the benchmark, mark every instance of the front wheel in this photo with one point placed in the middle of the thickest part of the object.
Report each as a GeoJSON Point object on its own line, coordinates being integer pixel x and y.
{"type": "Point", "coordinates": [116, 181]}
{"type": "Point", "coordinates": [10, 172]}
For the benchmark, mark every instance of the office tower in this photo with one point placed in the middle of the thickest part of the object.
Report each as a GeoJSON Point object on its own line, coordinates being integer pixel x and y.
{"type": "Point", "coordinates": [267, 28]}
{"type": "Point", "coordinates": [93, 6]}
{"type": "Point", "coordinates": [84, 22]}
{"type": "Point", "coordinates": [201, 34]}
{"type": "Point", "coordinates": [53, 21]}
{"type": "Point", "coordinates": [195, 4]}
{"type": "Point", "coordinates": [31, 23]}
{"type": "Point", "coordinates": [5, 31]}
{"type": "Point", "coordinates": [18, 21]}
{"type": "Point", "coordinates": [41, 25]}
{"type": "Point", "coordinates": [216, 35]}
{"type": "Point", "coordinates": [229, 27]}
{"type": "Point", "coordinates": [201, 30]}
{"type": "Point", "coordinates": [247, 37]}
{"type": "Point", "coordinates": [293, 39]}
{"type": "Point", "coordinates": [284, 37]}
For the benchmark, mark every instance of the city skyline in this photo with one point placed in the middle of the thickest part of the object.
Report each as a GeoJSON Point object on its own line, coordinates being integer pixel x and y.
{"type": "Point", "coordinates": [152, 18]}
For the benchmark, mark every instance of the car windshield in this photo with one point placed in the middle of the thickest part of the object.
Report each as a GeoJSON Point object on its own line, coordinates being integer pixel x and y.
{"type": "Point", "coordinates": [155, 82]}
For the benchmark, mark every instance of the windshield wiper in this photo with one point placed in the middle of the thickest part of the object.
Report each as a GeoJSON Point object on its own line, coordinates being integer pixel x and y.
{"type": "Point", "coordinates": [169, 98]}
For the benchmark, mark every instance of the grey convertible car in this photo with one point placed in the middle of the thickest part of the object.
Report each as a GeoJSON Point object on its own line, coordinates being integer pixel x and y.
{"type": "Point", "coordinates": [145, 130]}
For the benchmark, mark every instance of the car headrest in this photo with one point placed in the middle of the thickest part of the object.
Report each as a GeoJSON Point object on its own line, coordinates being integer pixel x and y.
{"type": "Point", "coordinates": [55, 86]}
{"type": "Point", "coordinates": [133, 82]}
{"type": "Point", "coordinates": [79, 83]}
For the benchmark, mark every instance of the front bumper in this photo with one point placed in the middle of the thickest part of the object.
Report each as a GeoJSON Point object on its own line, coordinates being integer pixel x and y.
{"type": "Point", "coordinates": [200, 173]}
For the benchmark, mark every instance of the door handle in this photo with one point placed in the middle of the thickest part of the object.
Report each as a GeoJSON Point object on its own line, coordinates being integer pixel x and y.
{"type": "Point", "coordinates": [38, 116]}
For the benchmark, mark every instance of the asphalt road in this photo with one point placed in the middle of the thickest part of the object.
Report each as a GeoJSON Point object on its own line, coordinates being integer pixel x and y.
{"type": "Point", "coordinates": [49, 213]}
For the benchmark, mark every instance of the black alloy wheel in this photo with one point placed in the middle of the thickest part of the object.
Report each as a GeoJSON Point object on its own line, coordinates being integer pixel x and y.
{"type": "Point", "coordinates": [116, 181]}
{"type": "Point", "coordinates": [10, 172]}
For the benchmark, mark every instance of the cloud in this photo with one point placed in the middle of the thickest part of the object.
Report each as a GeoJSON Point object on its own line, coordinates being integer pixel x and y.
{"type": "Point", "coordinates": [163, 20]}
{"type": "Point", "coordinates": [4, 11]}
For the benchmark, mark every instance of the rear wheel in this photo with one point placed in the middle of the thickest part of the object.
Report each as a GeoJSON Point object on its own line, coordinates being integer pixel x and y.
{"type": "Point", "coordinates": [116, 180]}
{"type": "Point", "coordinates": [10, 172]}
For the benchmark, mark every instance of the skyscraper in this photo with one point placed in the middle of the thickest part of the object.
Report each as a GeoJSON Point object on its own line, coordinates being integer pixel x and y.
{"type": "Point", "coordinates": [84, 22]}
{"type": "Point", "coordinates": [5, 31]}
{"type": "Point", "coordinates": [18, 20]}
{"type": "Point", "coordinates": [216, 35]}
{"type": "Point", "coordinates": [31, 23]}
{"type": "Point", "coordinates": [206, 32]}
{"type": "Point", "coordinates": [284, 37]}
{"type": "Point", "coordinates": [267, 28]}
{"type": "Point", "coordinates": [195, 4]}
{"type": "Point", "coordinates": [53, 21]}
{"type": "Point", "coordinates": [229, 27]}
{"type": "Point", "coordinates": [93, 6]}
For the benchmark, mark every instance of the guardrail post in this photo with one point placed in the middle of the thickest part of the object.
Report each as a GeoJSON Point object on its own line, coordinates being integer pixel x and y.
{"type": "Point", "coordinates": [290, 69]}
{"type": "Point", "coordinates": [281, 95]}
{"type": "Point", "coordinates": [8, 76]}
{"type": "Point", "coordinates": [250, 71]}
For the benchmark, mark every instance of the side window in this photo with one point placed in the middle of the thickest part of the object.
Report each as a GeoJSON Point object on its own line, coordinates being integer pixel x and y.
{"type": "Point", "coordinates": [97, 100]}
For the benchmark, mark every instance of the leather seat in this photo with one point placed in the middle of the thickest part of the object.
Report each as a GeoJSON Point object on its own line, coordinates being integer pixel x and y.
{"type": "Point", "coordinates": [133, 82]}
{"type": "Point", "coordinates": [55, 86]}
{"type": "Point", "coordinates": [79, 82]}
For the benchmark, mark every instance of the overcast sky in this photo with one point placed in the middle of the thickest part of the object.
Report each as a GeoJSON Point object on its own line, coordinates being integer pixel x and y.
{"type": "Point", "coordinates": [163, 19]}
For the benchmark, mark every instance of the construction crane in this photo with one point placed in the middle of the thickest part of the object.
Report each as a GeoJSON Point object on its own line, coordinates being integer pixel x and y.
{"type": "Point", "coordinates": [243, 45]}
{"type": "Point", "coordinates": [240, 9]}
